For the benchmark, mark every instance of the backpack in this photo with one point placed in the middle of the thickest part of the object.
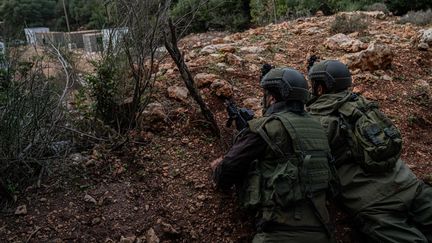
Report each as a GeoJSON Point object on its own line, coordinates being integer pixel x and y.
{"type": "Point", "coordinates": [375, 141]}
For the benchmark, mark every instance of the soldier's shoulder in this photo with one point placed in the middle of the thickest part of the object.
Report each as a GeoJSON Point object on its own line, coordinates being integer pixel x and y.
{"type": "Point", "coordinates": [266, 121]}
{"type": "Point", "coordinates": [256, 123]}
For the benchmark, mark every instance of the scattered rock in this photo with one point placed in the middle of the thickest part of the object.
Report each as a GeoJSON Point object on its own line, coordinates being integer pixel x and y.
{"type": "Point", "coordinates": [376, 14]}
{"type": "Point", "coordinates": [168, 228]}
{"type": "Point", "coordinates": [89, 199]}
{"type": "Point", "coordinates": [154, 112]}
{"type": "Point", "coordinates": [252, 49]}
{"type": "Point", "coordinates": [151, 236]}
{"type": "Point", "coordinates": [96, 221]}
{"type": "Point", "coordinates": [211, 49]}
{"type": "Point", "coordinates": [423, 46]}
{"type": "Point", "coordinates": [254, 68]}
{"type": "Point", "coordinates": [426, 36]}
{"type": "Point", "coordinates": [423, 39]}
{"type": "Point", "coordinates": [376, 57]}
{"type": "Point", "coordinates": [21, 210]}
{"type": "Point", "coordinates": [423, 84]}
{"type": "Point", "coordinates": [227, 49]}
{"type": "Point", "coordinates": [77, 158]}
{"type": "Point", "coordinates": [141, 239]}
{"type": "Point", "coordinates": [204, 79]}
{"type": "Point", "coordinates": [178, 93]}
{"type": "Point", "coordinates": [386, 78]}
{"type": "Point", "coordinates": [344, 42]}
{"type": "Point", "coordinates": [217, 41]}
{"type": "Point", "coordinates": [221, 65]}
{"type": "Point", "coordinates": [222, 88]}
{"type": "Point", "coordinates": [129, 239]}
{"type": "Point", "coordinates": [313, 31]}
{"type": "Point", "coordinates": [232, 59]}
{"type": "Point", "coordinates": [253, 104]}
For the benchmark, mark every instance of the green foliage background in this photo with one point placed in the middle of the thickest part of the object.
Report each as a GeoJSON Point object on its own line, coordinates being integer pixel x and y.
{"type": "Point", "coordinates": [207, 14]}
{"type": "Point", "coordinates": [18, 14]}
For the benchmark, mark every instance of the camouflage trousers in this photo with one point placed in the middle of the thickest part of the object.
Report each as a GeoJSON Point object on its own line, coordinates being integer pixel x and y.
{"type": "Point", "coordinates": [403, 217]}
{"type": "Point", "coordinates": [296, 236]}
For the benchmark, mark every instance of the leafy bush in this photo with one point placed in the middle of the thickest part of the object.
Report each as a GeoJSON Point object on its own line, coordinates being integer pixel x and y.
{"type": "Point", "coordinates": [421, 18]}
{"type": "Point", "coordinates": [346, 24]}
{"type": "Point", "coordinates": [378, 7]}
{"type": "Point", "coordinates": [400, 7]}
{"type": "Point", "coordinates": [212, 14]}
{"type": "Point", "coordinates": [103, 87]}
{"type": "Point", "coordinates": [347, 5]}
{"type": "Point", "coordinates": [264, 11]}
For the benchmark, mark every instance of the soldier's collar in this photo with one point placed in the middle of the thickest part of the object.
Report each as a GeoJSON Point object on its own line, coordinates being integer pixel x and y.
{"type": "Point", "coordinates": [284, 106]}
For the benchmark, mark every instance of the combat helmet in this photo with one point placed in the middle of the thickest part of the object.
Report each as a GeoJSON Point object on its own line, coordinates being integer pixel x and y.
{"type": "Point", "coordinates": [287, 83]}
{"type": "Point", "coordinates": [332, 73]}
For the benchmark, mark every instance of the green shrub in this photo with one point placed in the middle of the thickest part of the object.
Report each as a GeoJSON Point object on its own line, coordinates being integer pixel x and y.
{"type": "Point", "coordinates": [103, 87]}
{"type": "Point", "coordinates": [420, 18]}
{"type": "Point", "coordinates": [264, 11]}
{"type": "Point", "coordinates": [348, 24]}
{"type": "Point", "coordinates": [350, 5]}
{"type": "Point", "coordinates": [212, 14]}
{"type": "Point", "coordinates": [400, 7]}
{"type": "Point", "coordinates": [378, 7]}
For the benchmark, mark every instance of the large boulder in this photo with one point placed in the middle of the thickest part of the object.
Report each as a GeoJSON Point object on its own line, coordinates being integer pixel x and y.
{"type": "Point", "coordinates": [376, 57]}
{"type": "Point", "coordinates": [222, 88]}
{"type": "Point", "coordinates": [424, 39]}
{"type": "Point", "coordinates": [426, 36]}
{"type": "Point", "coordinates": [204, 79]}
{"type": "Point", "coordinates": [178, 93]}
{"type": "Point", "coordinates": [154, 113]}
{"type": "Point", "coordinates": [343, 42]}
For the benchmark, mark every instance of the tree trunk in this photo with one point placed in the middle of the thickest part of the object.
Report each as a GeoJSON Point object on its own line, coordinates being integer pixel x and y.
{"type": "Point", "coordinates": [177, 56]}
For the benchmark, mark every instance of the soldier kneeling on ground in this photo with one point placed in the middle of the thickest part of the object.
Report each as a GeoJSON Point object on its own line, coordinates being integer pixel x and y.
{"type": "Point", "coordinates": [281, 165]}
{"type": "Point", "coordinates": [386, 200]}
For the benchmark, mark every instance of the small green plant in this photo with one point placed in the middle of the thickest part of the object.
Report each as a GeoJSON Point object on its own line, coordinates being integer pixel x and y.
{"type": "Point", "coordinates": [420, 18]}
{"type": "Point", "coordinates": [346, 24]}
{"type": "Point", "coordinates": [103, 88]}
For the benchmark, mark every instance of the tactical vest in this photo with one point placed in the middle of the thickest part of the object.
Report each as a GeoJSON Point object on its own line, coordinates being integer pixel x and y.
{"type": "Point", "coordinates": [294, 170]}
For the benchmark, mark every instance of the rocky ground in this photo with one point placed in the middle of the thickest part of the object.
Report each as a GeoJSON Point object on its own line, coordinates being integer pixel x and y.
{"type": "Point", "coordinates": [158, 187]}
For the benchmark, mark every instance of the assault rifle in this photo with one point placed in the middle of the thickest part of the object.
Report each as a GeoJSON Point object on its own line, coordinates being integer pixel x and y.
{"type": "Point", "coordinates": [240, 116]}
{"type": "Point", "coordinates": [311, 61]}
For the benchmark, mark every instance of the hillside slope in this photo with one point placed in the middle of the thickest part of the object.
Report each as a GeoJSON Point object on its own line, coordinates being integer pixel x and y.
{"type": "Point", "coordinates": [159, 185]}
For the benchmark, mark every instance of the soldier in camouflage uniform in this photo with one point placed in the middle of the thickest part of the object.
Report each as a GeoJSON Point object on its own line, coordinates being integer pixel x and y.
{"type": "Point", "coordinates": [387, 201]}
{"type": "Point", "coordinates": [280, 165]}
